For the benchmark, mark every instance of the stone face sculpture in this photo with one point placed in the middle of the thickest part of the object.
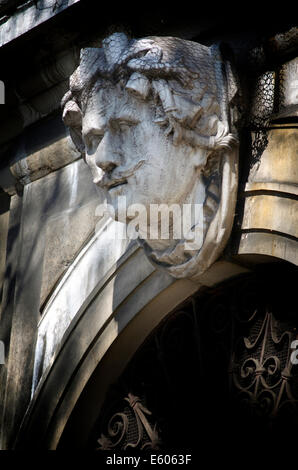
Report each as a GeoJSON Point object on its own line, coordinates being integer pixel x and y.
{"type": "Point", "coordinates": [156, 121]}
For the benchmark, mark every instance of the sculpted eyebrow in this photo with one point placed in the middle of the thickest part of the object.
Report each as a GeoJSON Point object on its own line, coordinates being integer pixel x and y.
{"type": "Point", "coordinates": [126, 118]}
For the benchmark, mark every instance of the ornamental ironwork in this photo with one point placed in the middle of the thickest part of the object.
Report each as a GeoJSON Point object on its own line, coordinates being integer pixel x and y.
{"type": "Point", "coordinates": [262, 372]}
{"type": "Point", "coordinates": [218, 366]}
{"type": "Point", "coordinates": [121, 430]}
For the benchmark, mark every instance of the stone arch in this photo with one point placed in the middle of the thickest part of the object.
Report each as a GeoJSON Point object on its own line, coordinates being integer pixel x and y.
{"type": "Point", "coordinates": [220, 361]}
{"type": "Point", "coordinates": [112, 322]}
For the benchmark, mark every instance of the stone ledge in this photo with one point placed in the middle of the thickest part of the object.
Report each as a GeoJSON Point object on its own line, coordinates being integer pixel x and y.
{"type": "Point", "coordinates": [274, 213]}
{"type": "Point", "coordinates": [269, 244]}
{"type": "Point", "coordinates": [29, 16]}
{"type": "Point", "coordinates": [44, 161]}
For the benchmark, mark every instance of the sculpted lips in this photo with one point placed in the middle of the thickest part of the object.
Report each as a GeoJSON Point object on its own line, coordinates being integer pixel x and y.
{"type": "Point", "coordinates": [118, 178]}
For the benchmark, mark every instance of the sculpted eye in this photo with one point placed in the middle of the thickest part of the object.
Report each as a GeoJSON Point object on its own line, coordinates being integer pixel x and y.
{"type": "Point", "coordinates": [92, 141]}
{"type": "Point", "coordinates": [126, 123]}
{"type": "Point", "coordinates": [124, 126]}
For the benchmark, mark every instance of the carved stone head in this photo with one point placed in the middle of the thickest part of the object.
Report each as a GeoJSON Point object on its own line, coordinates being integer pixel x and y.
{"type": "Point", "coordinates": [156, 121]}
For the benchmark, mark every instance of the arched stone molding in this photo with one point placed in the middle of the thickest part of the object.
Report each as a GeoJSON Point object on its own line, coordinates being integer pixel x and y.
{"type": "Point", "coordinates": [111, 323]}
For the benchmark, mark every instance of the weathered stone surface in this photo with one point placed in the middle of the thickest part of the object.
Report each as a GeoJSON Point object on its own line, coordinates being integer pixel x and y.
{"type": "Point", "coordinates": [68, 219]}
{"type": "Point", "coordinates": [65, 234]}
{"type": "Point", "coordinates": [4, 222]}
{"type": "Point", "coordinates": [275, 213]}
{"type": "Point", "coordinates": [278, 164]}
{"type": "Point", "coordinates": [30, 16]}
{"type": "Point", "coordinates": [75, 303]}
{"type": "Point", "coordinates": [40, 151]}
{"type": "Point", "coordinates": [31, 111]}
{"type": "Point", "coordinates": [289, 83]}
{"type": "Point", "coordinates": [42, 162]}
{"type": "Point", "coordinates": [123, 309]}
{"type": "Point", "coordinates": [89, 271]}
{"type": "Point", "coordinates": [271, 203]}
{"type": "Point", "coordinates": [55, 194]}
{"type": "Point", "coordinates": [9, 306]}
{"type": "Point", "coordinates": [277, 246]}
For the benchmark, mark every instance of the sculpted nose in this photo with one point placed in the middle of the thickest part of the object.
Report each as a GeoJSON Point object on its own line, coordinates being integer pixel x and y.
{"type": "Point", "coordinates": [107, 162]}
{"type": "Point", "coordinates": [92, 137]}
{"type": "Point", "coordinates": [100, 149]}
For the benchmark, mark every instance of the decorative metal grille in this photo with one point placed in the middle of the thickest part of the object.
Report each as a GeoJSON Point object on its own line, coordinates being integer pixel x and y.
{"type": "Point", "coordinates": [220, 364]}
{"type": "Point", "coordinates": [263, 102]}
{"type": "Point", "coordinates": [130, 428]}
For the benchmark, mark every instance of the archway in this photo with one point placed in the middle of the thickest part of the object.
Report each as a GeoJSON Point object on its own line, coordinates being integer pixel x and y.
{"type": "Point", "coordinates": [220, 362]}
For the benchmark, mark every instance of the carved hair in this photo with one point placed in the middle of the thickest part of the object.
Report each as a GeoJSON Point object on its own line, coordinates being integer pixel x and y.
{"type": "Point", "coordinates": [194, 91]}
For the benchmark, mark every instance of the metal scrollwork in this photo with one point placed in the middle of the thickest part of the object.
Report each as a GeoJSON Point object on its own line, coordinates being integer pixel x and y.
{"type": "Point", "coordinates": [121, 425]}
{"type": "Point", "coordinates": [228, 350]}
{"type": "Point", "coordinates": [262, 371]}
